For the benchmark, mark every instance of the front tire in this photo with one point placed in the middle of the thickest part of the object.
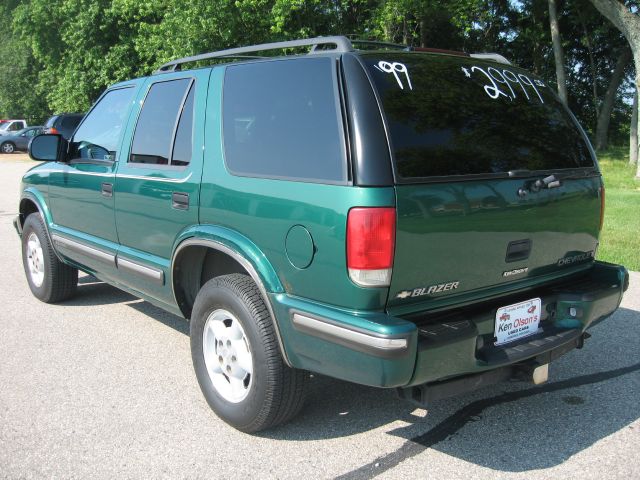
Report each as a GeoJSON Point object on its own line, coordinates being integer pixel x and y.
{"type": "Point", "coordinates": [237, 359]}
{"type": "Point", "coordinates": [49, 279]}
{"type": "Point", "coordinates": [7, 147]}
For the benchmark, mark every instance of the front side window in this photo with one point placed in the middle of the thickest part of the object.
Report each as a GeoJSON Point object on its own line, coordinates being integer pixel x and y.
{"type": "Point", "coordinates": [281, 120]}
{"type": "Point", "coordinates": [167, 114]}
{"type": "Point", "coordinates": [99, 135]}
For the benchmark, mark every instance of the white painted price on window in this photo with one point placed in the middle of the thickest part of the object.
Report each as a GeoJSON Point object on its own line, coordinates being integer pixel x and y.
{"type": "Point", "coordinates": [505, 83]}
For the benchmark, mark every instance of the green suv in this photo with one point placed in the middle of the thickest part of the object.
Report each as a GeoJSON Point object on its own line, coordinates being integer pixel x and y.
{"type": "Point", "coordinates": [401, 218]}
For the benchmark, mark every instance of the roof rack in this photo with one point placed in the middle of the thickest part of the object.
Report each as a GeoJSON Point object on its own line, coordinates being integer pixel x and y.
{"type": "Point", "coordinates": [374, 43]}
{"type": "Point", "coordinates": [342, 44]}
{"type": "Point", "coordinates": [339, 44]}
{"type": "Point", "coordinates": [496, 57]}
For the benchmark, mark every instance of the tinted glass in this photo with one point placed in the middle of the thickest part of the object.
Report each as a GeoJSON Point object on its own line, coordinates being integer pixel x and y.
{"type": "Point", "coordinates": [157, 121]}
{"type": "Point", "coordinates": [456, 116]}
{"type": "Point", "coordinates": [99, 135]}
{"type": "Point", "coordinates": [182, 145]}
{"type": "Point", "coordinates": [281, 120]}
{"type": "Point", "coordinates": [68, 124]}
{"type": "Point", "coordinates": [51, 121]}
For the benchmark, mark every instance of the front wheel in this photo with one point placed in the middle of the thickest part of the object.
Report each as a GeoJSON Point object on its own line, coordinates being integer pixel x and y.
{"type": "Point", "coordinates": [237, 359]}
{"type": "Point", "coordinates": [8, 147]}
{"type": "Point", "coordinates": [49, 279]}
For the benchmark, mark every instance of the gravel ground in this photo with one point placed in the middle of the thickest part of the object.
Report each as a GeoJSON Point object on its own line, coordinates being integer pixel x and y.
{"type": "Point", "coordinates": [102, 387]}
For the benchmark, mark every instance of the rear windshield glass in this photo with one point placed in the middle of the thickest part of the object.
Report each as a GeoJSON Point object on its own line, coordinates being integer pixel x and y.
{"type": "Point", "coordinates": [463, 116]}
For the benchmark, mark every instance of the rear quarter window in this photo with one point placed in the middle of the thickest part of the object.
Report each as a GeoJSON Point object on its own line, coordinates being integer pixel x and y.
{"type": "Point", "coordinates": [462, 116]}
{"type": "Point", "coordinates": [281, 119]}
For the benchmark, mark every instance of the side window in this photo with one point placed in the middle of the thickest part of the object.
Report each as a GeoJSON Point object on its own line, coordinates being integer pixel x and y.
{"type": "Point", "coordinates": [164, 116]}
{"type": "Point", "coordinates": [99, 135]}
{"type": "Point", "coordinates": [31, 133]}
{"type": "Point", "coordinates": [281, 120]}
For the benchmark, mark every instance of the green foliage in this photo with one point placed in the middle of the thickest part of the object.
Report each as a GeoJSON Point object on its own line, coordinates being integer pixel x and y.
{"type": "Point", "coordinates": [619, 241]}
{"type": "Point", "coordinates": [59, 55]}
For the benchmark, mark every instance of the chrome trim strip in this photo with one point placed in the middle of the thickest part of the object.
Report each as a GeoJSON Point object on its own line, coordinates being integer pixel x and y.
{"type": "Point", "coordinates": [154, 179]}
{"type": "Point", "coordinates": [149, 273]}
{"type": "Point", "coordinates": [369, 343]}
{"type": "Point", "coordinates": [83, 249]}
{"type": "Point", "coordinates": [247, 266]}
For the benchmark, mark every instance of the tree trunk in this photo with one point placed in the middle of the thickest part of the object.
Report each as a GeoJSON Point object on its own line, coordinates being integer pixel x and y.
{"type": "Point", "coordinates": [604, 116]}
{"type": "Point", "coordinates": [633, 133]}
{"type": "Point", "coordinates": [629, 24]}
{"type": "Point", "coordinates": [592, 62]}
{"type": "Point", "coordinates": [558, 53]}
{"type": "Point", "coordinates": [423, 32]}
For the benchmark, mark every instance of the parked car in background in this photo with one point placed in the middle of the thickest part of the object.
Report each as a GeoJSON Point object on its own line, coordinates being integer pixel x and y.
{"type": "Point", "coordinates": [12, 125]}
{"type": "Point", "coordinates": [18, 141]}
{"type": "Point", "coordinates": [63, 124]}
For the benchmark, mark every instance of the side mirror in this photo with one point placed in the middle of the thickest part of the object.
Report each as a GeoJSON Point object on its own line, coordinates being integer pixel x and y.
{"type": "Point", "coordinates": [48, 148]}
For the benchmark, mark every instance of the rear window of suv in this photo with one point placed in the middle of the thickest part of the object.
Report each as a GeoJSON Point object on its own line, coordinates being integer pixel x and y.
{"type": "Point", "coordinates": [463, 116]}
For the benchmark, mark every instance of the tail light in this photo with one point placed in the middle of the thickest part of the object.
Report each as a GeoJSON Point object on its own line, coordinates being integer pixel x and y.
{"type": "Point", "coordinates": [53, 131]}
{"type": "Point", "coordinates": [601, 206]}
{"type": "Point", "coordinates": [371, 235]}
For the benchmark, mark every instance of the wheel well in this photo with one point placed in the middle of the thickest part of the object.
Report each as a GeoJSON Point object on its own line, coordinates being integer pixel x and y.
{"type": "Point", "coordinates": [27, 207]}
{"type": "Point", "coordinates": [193, 267]}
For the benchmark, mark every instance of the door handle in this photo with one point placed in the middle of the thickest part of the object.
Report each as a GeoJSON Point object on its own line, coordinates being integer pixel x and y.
{"type": "Point", "coordinates": [107, 189]}
{"type": "Point", "coordinates": [180, 200]}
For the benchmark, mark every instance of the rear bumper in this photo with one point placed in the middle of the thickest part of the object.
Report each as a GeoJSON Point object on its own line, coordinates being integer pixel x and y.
{"type": "Point", "coordinates": [376, 349]}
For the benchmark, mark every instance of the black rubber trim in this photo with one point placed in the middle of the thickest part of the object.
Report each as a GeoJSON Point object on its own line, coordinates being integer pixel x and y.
{"type": "Point", "coordinates": [538, 344]}
{"type": "Point", "coordinates": [17, 224]}
{"type": "Point", "coordinates": [369, 146]}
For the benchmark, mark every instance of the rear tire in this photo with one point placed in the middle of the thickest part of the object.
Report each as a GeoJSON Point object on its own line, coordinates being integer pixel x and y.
{"type": "Point", "coordinates": [49, 279]}
{"type": "Point", "coordinates": [7, 147]}
{"type": "Point", "coordinates": [237, 359]}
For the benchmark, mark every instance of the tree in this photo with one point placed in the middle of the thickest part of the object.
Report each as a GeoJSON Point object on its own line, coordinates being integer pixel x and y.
{"type": "Point", "coordinates": [558, 52]}
{"type": "Point", "coordinates": [629, 24]}
{"type": "Point", "coordinates": [633, 133]}
{"type": "Point", "coordinates": [604, 113]}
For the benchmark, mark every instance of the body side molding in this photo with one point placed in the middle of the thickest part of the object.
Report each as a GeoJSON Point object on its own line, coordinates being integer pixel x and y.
{"type": "Point", "coordinates": [83, 249]}
{"type": "Point", "coordinates": [152, 274]}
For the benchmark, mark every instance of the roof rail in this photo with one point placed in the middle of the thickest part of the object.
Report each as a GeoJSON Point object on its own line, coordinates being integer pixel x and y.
{"type": "Point", "coordinates": [342, 44]}
{"type": "Point", "coordinates": [496, 57]}
{"type": "Point", "coordinates": [375, 43]}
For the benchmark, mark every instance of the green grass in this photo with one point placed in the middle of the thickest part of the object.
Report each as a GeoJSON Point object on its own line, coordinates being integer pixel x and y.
{"type": "Point", "coordinates": [620, 239]}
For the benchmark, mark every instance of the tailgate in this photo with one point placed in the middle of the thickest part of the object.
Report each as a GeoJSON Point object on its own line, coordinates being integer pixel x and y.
{"type": "Point", "coordinates": [469, 237]}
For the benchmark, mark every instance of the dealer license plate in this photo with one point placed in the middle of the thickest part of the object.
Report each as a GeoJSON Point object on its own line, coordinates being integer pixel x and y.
{"type": "Point", "coordinates": [517, 321]}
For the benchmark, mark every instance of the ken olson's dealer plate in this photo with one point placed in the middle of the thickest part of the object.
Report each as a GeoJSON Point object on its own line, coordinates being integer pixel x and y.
{"type": "Point", "coordinates": [517, 321]}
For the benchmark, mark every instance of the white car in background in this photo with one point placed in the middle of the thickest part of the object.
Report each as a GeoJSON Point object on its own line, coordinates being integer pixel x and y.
{"type": "Point", "coordinates": [11, 126]}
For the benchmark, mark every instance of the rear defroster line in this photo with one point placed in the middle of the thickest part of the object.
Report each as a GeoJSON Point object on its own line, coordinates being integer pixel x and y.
{"type": "Point", "coordinates": [469, 413]}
